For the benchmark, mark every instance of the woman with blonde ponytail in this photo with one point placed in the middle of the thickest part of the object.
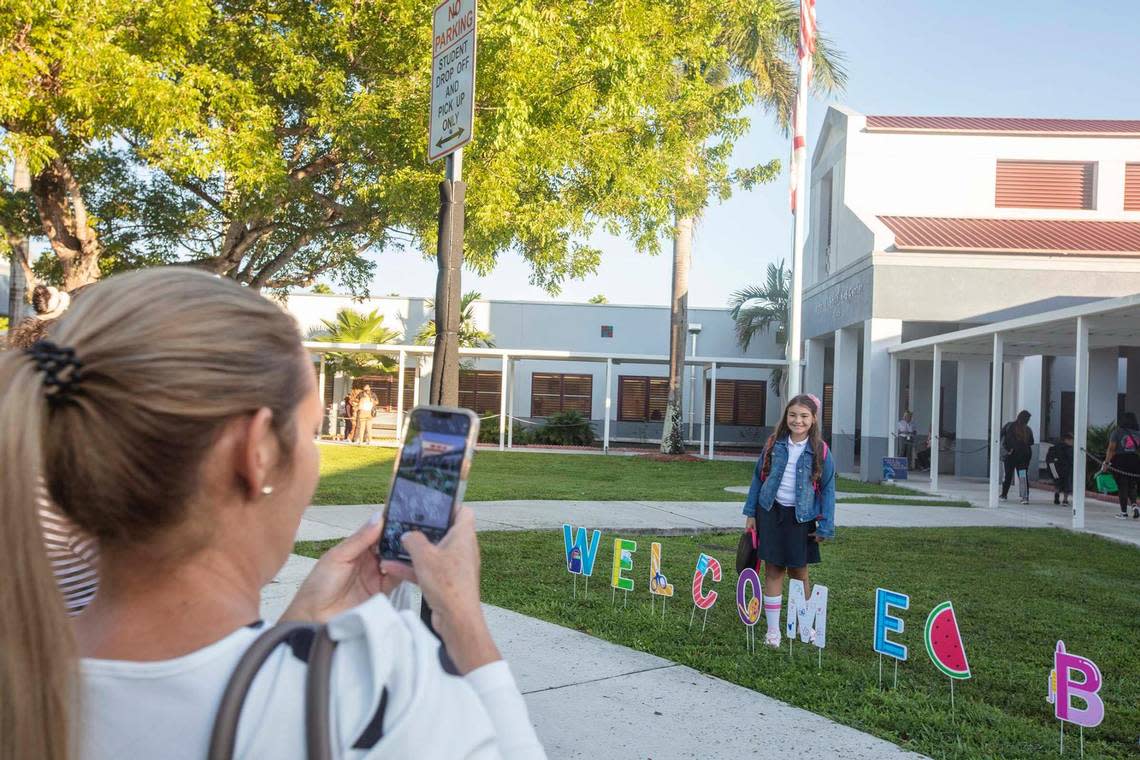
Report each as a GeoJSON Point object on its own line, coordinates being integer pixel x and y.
{"type": "Point", "coordinates": [183, 443]}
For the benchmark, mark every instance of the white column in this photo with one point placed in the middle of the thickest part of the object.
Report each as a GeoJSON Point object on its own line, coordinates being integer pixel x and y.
{"type": "Point", "coordinates": [419, 376]}
{"type": "Point", "coordinates": [935, 422]}
{"type": "Point", "coordinates": [875, 428]}
{"type": "Point", "coordinates": [511, 407]}
{"type": "Point", "coordinates": [815, 352]}
{"type": "Point", "coordinates": [893, 408]}
{"type": "Point", "coordinates": [971, 423]}
{"type": "Point", "coordinates": [704, 401]}
{"type": "Point", "coordinates": [912, 386]}
{"type": "Point", "coordinates": [504, 370]}
{"type": "Point", "coordinates": [1029, 383]}
{"type": "Point", "coordinates": [321, 394]}
{"type": "Point", "coordinates": [1080, 422]}
{"type": "Point", "coordinates": [712, 412]}
{"type": "Point", "coordinates": [1102, 387]}
{"type": "Point", "coordinates": [845, 380]}
{"type": "Point", "coordinates": [609, 403]}
{"type": "Point", "coordinates": [997, 363]}
{"type": "Point", "coordinates": [400, 396]}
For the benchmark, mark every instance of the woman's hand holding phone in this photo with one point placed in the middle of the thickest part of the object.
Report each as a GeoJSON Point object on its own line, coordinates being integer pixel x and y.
{"type": "Point", "coordinates": [448, 576]}
{"type": "Point", "coordinates": [347, 575]}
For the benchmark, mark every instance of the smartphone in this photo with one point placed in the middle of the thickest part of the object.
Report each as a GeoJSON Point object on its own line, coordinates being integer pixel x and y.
{"type": "Point", "coordinates": [430, 476]}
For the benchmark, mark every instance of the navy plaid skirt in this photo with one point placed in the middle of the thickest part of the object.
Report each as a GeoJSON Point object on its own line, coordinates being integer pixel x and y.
{"type": "Point", "coordinates": [783, 540]}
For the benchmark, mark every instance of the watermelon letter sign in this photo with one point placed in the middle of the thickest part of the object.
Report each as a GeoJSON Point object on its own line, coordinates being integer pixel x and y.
{"type": "Point", "coordinates": [944, 642]}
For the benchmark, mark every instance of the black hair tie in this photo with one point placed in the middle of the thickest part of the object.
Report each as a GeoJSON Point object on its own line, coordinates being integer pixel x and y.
{"type": "Point", "coordinates": [62, 371]}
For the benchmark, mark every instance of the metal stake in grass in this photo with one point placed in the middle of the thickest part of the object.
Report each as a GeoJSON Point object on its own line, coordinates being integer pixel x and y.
{"type": "Point", "coordinates": [575, 586]}
{"type": "Point", "coordinates": [819, 650]}
{"type": "Point", "coordinates": [880, 671]}
{"type": "Point", "coordinates": [896, 675]}
{"type": "Point", "coordinates": [613, 596]}
{"type": "Point", "coordinates": [692, 615]}
{"type": "Point", "coordinates": [705, 621]}
{"type": "Point", "coordinates": [1062, 737]}
{"type": "Point", "coordinates": [586, 595]}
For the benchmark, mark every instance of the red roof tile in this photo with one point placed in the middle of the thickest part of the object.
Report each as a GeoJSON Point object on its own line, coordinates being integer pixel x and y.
{"type": "Point", "coordinates": [983, 124]}
{"type": "Point", "coordinates": [1054, 236]}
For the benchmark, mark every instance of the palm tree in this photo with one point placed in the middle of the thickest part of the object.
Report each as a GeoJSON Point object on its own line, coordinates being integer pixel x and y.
{"type": "Point", "coordinates": [762, 48]}
{"type": "Point", "coordinates": [760, 308]}
{"type": "Point", "coordinates": [351, 326]}
{"type": "Point", "coordinates": [470, 336]}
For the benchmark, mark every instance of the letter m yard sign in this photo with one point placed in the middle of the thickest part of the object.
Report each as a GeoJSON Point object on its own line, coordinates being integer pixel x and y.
{"type": "Point", "coordinates": [452, 77]}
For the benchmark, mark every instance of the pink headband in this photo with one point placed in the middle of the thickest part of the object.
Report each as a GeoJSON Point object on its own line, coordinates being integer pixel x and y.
{"type": "Point", "coordinates": [815, 399]}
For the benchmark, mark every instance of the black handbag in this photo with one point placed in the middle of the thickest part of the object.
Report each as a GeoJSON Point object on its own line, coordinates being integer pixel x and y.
{"type": "Point", "coordinates": [748, 551]}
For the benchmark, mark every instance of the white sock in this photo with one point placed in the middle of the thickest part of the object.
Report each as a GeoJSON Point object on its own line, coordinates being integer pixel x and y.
{"type": "Point", "coordinates": [772, 606]}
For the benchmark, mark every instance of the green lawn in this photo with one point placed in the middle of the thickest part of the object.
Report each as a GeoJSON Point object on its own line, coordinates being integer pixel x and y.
{"type": "Point", "coordinates": [1015, 592]}
{"type": "Point", "coordinates": [360, 475]}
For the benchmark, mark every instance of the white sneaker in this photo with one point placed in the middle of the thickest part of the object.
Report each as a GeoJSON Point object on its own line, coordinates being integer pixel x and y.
{"type": "Point", "coordinates": [772, 639]}
{"type": "Point", "coordinates": [1025, 501]}
{"type": "Point", "coordinates": [1121, 515]}
{"type": "Point", "coordinates": [1136, 513]}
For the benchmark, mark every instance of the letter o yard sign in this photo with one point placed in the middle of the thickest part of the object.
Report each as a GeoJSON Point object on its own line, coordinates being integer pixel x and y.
{"type": "Point", "coordinates": [452, 77]}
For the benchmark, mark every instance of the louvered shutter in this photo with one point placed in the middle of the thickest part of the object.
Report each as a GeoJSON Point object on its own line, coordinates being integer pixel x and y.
{"type": "Point", "coordinates": [1044, 184]}
{"type": "Point", "coordinates": [658, 398]}
{"type": "Point", "coordinates": [750, 398]}
{"type": "Point", "coordinates": [632, 393]}
{"type": "Point", "coordinates": [1132, 187]}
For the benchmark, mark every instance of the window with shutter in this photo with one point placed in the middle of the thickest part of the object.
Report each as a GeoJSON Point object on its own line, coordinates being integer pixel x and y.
{"type": "Point", "coordinates": [633, 394]}
{"type": "Point", "coordinates": [1132, 187]}
{"type": "Point", "coordinates": [480, 390]}
{"type": "Point", "coordinates": [828, 393]}
{"type": "Point", "coordinates": [750, 398]}
{"type": "Point", "coordinates": [551, 393]}
{"type": "Point", "coordinates": [658, 398]}
{"type": "Point", "coordinates": [1044, 184]}
{"type": "Point", "coordinates": [739, 402]}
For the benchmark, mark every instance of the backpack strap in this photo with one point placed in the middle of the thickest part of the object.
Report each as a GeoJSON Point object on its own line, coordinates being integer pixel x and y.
{"type": "Point", "coordinates": [223, 739]}
{"type": "Point", "coordinates": [764, 455]}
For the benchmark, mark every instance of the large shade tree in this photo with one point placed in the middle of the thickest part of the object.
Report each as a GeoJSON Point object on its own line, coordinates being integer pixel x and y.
{"type": "Point", "coordinates": [758, 41]}
{"type": "Point", "coordinates": [278, 142]}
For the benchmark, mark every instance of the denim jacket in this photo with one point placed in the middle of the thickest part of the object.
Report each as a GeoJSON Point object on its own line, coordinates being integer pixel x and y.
{"type": "Point", "coordinates": [810, 503]}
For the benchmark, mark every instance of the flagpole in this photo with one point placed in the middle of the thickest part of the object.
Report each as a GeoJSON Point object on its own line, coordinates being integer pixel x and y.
{"type": "Point", "coordinates": [799, 197]}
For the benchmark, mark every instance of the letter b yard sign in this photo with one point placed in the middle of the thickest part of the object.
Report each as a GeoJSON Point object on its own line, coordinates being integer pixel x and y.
{"type": "Point", "coordinates": [452, 77]}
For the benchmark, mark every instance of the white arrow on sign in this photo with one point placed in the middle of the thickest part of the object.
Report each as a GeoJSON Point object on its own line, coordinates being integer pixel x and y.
{"type": "Point", "coordinates": [451, 123]}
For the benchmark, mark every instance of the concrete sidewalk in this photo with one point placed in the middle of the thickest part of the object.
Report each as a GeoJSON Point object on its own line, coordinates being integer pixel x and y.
{"type": "Point", "coordinates": [671, 517]}
{"type": "Point", "coordinates": [589, 698]}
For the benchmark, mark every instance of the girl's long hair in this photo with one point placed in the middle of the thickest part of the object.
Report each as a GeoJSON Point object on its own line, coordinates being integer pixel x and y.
{"type": "Point", "coordinates": [168, 356]}
{"type": "Point", "coordinates": [814, 436]}
{"type": "Point", "coordinates": [1019, 428]}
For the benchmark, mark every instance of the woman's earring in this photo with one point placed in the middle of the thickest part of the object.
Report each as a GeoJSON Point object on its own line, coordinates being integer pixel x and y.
{"type": "Point", "coordinates": [266, 490]}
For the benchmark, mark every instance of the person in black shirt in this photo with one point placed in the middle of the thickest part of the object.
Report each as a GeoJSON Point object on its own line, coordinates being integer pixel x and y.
{"type": "Point", "coordinates": [1060, 461]}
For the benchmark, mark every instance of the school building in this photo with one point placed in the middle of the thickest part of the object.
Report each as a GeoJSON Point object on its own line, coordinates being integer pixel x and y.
{"type": "Point", "coordinates": [947, 231]}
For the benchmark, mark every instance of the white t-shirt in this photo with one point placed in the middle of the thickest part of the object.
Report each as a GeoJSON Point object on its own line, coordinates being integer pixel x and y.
{"type": "Point", "coordinates": [905, 428]}
{"type": "Point", "coordinates": [364, 404]}
{"type": "Point", "coordinates": [166, 709]}
{"type": "Point", "coordinates": [786, 494]}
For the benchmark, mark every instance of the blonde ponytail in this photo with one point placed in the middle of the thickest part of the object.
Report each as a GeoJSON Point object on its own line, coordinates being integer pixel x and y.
{"type": "Point", "coordinates": [168, 357]}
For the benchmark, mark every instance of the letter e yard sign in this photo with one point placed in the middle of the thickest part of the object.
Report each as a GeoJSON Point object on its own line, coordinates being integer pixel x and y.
{"type": "Point", "coordinates": [452, 77]}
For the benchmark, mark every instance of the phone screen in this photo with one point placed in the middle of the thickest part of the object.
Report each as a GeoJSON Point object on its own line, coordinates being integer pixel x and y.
{"type": "Point", "coordinates": [428, 480]}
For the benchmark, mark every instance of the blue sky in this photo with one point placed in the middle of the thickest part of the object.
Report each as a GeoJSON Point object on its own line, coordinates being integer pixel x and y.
{"type": "Point", "coordinates": [1046, 58]}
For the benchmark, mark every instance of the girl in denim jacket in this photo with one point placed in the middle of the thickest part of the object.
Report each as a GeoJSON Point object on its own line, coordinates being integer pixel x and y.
{"type": "Point", "coordinates": [791, 504]}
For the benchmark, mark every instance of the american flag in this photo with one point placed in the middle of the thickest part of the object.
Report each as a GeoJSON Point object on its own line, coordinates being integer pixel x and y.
{"type": "Point", "coordinates": [799, 111]}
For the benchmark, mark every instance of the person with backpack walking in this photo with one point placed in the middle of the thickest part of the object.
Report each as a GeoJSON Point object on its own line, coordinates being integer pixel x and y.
{"type": "Point", "coordinates": [1060, 461]}
{"type": "Point", "coordinates": [1017, 449]}
{"type": "Point", "coordinates": [1123, 458]}
{"type": "Point", "coordinates": [791, 504]}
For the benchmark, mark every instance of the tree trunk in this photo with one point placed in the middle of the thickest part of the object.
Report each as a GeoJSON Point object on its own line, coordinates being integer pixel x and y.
{"type": "Point", "coordinates": [63, 216]}
{"type": "Point", "coordinates": [19, 284]}
{"type": "Point", "coordinates": [672, 438]}
{"type": "Point", "coordinates": [449, 255]}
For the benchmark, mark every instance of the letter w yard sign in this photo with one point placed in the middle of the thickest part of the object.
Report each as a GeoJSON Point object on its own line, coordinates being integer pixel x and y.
{"type": "Point", "coordinates": [452, 78]}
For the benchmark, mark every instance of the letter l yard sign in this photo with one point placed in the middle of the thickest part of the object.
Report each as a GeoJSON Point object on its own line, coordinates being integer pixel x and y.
{"type": "Point", "coordinates": [452, 78]}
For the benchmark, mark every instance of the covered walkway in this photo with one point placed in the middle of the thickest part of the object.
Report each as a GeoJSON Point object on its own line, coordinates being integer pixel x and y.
{"type": "Point", "coordinates": [509, 359]}
{"type": "Point", "coordinates": [1097, 330]}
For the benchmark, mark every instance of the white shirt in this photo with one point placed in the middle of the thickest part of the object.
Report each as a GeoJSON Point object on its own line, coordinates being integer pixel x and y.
{"type": "Point", "coordinates": [166, 709]}
{"type": "Point", "coordinates": [786, 494]}
{"type": "Point", "coordinates": [905, 428]}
